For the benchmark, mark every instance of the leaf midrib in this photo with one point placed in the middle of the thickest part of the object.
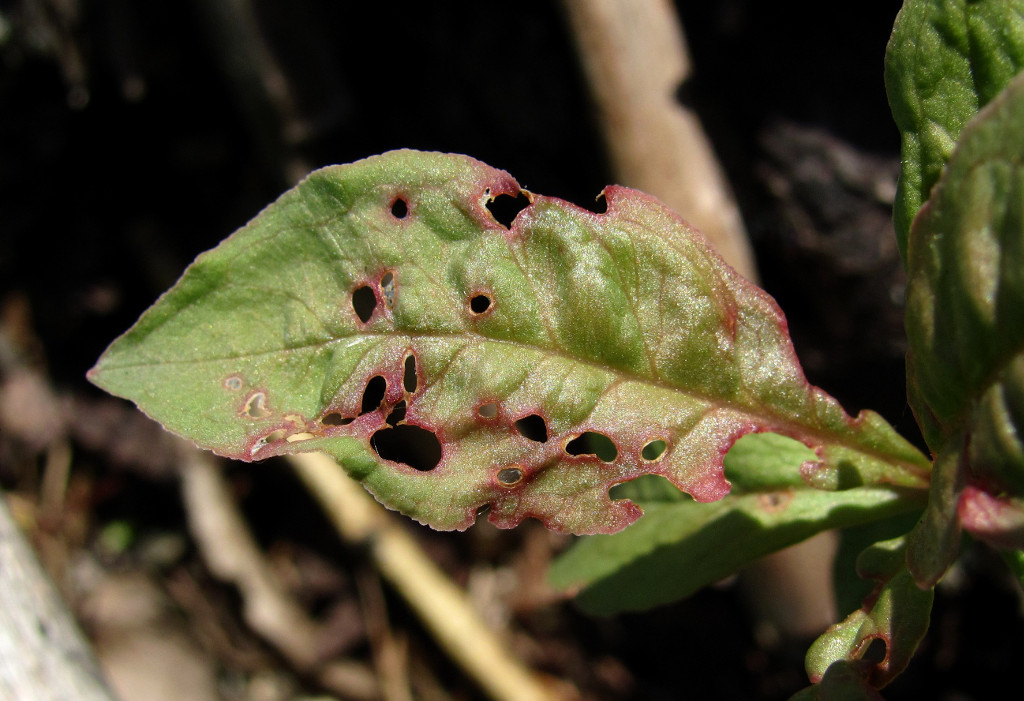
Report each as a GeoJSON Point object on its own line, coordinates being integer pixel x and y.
{"type": "Point", "coordinates": [821, 436]}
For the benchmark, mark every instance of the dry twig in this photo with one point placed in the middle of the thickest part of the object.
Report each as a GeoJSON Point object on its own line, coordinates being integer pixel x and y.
{"type": "Point", "coordinates": [43, 656]}
{"type": "Point", "coordinates": [232, 555]}
{"type": "Point", "coordinates": [635, 59]}
{"type": "Point", "coordinates": [441, 605]}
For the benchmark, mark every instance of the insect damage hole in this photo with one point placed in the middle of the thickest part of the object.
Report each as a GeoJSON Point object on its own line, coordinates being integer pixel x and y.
{"type": "Point", "coordinates": [256, 406]}
{"type": "Point", "coordinates": [647, 488]}
{"type": "Point", "coordinates": [487, 411]}
{"type": "Point", "coordinates": [408, 444]}
{"type": "Point", "coordinates": [274, 436]}
{"type": "Point", "coordinates": [373, 395]}
{"type": "Point", "coordinates": [387, 289]}
{"type": "Point", "coordinates": [505, 208]}
{"type": "Point", "coordinates": [480, 303]}
{"type": "Point", "coordinates": [653, 450]}
{"type": "Point", "coordinates": [593, 443]}
{"type": "Point", "coordinates": [399, 208]}
{"type": "Point", "coordinates": [397, 414]}
{"type": "Point", "coordinates": [410, 380]}
{"type": "Point", "coordinates": [598, 206]}
{"type": "Point", "coordinates": [532, 427]}
{"type": "Point", "coordinates": [335, 419]}
{"type": "Point", "coordinates": [876, 651]}
{"type": "Point", "coordinates": [364, 301]}
{"type": "Point", "coordinates": [510, 476]}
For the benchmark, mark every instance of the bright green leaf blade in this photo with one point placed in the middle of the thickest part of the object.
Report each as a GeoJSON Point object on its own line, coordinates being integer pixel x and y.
{"type": "Point", "coordinates": [765, 462]}
{"type": "Point", "coordinates": [965, 321]}
{"type": "Point", "coordinates": [945, 60]}
{"type": "Point", "coordinates": [676, 549]}
{"type": "Point", "coordinates": [534, 362]}
{"type": "Point", "coordinates": [897, 613]}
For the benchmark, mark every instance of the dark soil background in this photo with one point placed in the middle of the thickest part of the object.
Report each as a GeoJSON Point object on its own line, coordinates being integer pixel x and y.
{"type": "Point", "coordinates": [134, 136]}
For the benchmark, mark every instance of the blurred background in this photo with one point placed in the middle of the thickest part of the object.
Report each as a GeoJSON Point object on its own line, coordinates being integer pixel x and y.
{"type": "Point", "coordinates": [135, 135]}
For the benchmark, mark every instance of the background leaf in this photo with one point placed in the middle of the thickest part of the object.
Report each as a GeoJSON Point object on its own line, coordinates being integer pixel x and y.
{"type": "Point", "coordinates": [946, 59]}
{"type": "Point", "coordinates": [452, 358]}
{"type": "Point", "coordinates": [680, 546]}
{"type": "Point", "coordinates": [965, 323]}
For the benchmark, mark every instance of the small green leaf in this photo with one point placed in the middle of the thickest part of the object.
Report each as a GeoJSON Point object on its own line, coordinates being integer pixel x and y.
{"type": "Point", "coordinates": [896, 613]}
{"type": "Point", "coordinates": [965, 325]}
{"type": "Point", "coordinates": [452, 360]}
{"type": "Point", "coordinates": [678, 548]}
{"type": "Point", "coordinates": [946, 59]}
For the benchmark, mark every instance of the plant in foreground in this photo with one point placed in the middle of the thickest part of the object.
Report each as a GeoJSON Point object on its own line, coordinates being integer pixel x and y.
{"type": "Point", "coordinates": [461, 345]}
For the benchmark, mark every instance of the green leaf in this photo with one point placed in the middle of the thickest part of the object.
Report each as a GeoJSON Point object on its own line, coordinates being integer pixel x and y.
{"type": "Point", "coordinates": [896, 613]}
{"type": "Point", "coordinates": [379, 312]}
{"type": "Point", "coordinates": [965, 323]}
{"type": "Point", "coordinates": [676, 549]}
{"type": "Point", "coordinates": [680, 545]}
{"type": "Point", "coordinates": [946, 59]}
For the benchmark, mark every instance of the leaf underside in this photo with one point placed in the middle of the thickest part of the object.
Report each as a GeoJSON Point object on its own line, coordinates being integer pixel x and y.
{"type": "Point", "coordinates": [451, 361]}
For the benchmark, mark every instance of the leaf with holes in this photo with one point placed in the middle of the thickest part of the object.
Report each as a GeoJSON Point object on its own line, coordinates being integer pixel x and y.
{"type": "Point", "coordinates": [453, 355]}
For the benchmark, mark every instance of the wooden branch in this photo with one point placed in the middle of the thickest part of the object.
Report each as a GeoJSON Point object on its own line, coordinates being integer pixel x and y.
{"type": "Point", "coordinates": [442, 606]}
{"type": "Point", "coordinates": [43, 655]}
{"type": "Point", "coordinates": [232, 554]}
{"type": "Point", "coordinates": [635, 59]}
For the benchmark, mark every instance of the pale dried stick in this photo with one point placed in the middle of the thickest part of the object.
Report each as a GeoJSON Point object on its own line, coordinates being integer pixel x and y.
{"type": "Point", "coordinates": [440, 604]}
{"type": "Point", "coordinates": [390, 650]}
{"type": "Point", "coordinates": [43, 655]}
{"type": "Point", "coordinates": [635, 59]}
{"type": "Point", "coordinates": [232, 555]}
